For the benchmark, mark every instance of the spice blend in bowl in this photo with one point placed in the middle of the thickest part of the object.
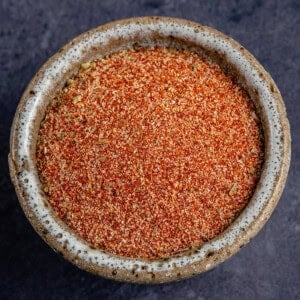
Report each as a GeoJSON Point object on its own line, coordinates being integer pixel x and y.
{"type": "Point", "coordinates": [149, 152]}
{"type": "Point", "coordinates": [157, 148]}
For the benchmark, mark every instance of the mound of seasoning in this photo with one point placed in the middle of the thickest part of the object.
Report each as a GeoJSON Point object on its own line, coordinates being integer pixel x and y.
{"type": "Point", "coordinates": [149, 152]}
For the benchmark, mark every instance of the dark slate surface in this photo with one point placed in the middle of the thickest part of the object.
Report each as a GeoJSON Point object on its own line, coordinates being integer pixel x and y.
{"type": "Point", "coordinates": [31, 31]}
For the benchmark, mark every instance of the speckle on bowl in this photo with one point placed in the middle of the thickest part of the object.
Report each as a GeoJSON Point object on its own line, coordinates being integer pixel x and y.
{"type": "Point", "coordinates": [125, 34]}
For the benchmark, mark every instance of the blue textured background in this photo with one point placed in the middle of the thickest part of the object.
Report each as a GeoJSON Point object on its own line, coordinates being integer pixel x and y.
{"type": "Point", "coordinates": [31, 31]}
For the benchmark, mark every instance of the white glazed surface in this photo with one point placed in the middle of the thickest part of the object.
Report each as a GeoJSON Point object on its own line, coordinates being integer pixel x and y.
{"type": "Point", "coordinates": [29, 181]}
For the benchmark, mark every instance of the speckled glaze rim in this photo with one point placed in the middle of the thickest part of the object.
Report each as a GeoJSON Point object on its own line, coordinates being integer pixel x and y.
{"type": "Point", "coordinates": [125, 34]}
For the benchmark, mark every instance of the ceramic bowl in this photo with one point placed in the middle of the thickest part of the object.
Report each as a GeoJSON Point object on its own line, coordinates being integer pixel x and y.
{"type": "Point", "coordinates": [149, 31]}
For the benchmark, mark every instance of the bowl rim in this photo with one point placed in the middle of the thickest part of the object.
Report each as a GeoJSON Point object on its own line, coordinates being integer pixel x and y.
{"type": "Point", "coordinates": [211, 259]}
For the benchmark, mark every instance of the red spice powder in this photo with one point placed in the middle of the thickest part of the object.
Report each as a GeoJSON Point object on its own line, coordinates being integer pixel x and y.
{"type": "Point", "coordinates": [148, 153]}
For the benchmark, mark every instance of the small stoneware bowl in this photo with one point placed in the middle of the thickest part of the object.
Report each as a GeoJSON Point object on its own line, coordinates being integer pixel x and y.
{"type": "Point", "coordinates": [149, 31]}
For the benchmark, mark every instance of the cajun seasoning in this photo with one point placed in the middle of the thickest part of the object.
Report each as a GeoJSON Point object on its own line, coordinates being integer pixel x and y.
{"type": "Point", "coordinates": [149, 152]}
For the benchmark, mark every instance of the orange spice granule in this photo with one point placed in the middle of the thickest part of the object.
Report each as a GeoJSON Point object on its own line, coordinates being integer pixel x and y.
{"type": "Point", "coordinates": [149, 152]}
